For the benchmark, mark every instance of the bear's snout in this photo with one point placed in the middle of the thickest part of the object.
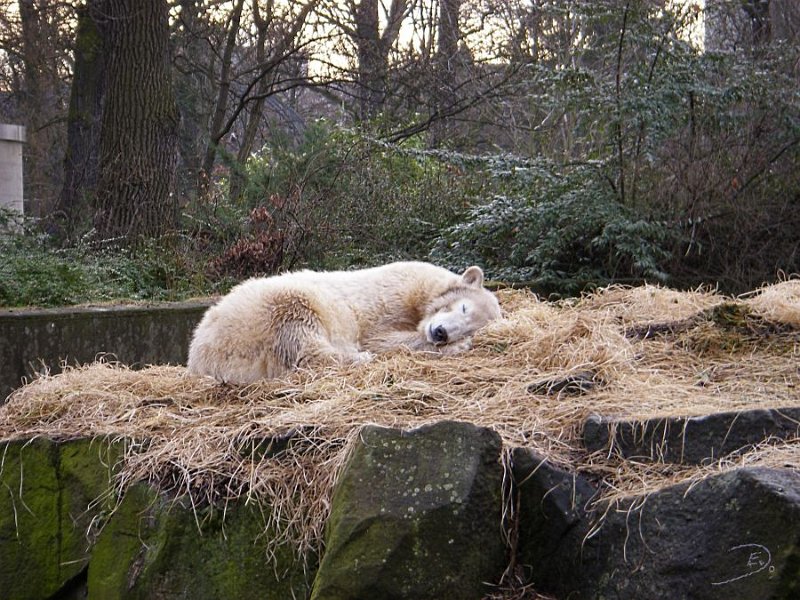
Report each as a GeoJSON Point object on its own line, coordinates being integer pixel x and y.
{"type": "Point", "coordinates": [439, 334]}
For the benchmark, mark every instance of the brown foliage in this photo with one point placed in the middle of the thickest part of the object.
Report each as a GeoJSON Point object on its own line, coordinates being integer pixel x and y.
{"type": "Point", "coordinates": [260, 251]}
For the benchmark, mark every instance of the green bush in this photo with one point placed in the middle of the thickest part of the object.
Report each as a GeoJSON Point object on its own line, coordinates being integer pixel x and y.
{"type": "Point", "coordinates": [341, 198]}
{"type": "Point", "coordinates": [705, 142]}
{"type": "Point", "coordinates": [34, 277]}
{"type": "Point", "coordinates": [34, 273]}
{"type": "Point", "coordinates": [566, 232]}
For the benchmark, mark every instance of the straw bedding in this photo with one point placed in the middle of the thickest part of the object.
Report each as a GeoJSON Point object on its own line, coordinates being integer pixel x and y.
{"type": "Point", "coordinates": [650, 352]}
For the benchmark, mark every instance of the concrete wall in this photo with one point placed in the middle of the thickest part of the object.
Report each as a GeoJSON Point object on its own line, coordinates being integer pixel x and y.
{"type": "Point", "coordinates": [32, 341]}
{"type": "Point", "coordinates": [11, 139]}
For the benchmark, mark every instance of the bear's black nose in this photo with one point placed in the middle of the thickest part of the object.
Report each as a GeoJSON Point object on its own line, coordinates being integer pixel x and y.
{"type": "Point", "coordinates": [439, 335]}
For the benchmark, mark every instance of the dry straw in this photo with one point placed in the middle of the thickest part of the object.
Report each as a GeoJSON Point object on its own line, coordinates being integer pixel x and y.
{"type": "Point", "coordinates": [649, 352]}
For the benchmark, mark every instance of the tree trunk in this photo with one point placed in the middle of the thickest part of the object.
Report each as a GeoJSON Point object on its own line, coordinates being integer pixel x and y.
{"type": "Point", "coordinates": [139, 126]}
{"type": "Point", "coordinates": [371, 72]}
{"type": "Point", "coordinates": [191, 53]}
{"type": "Point", "coordinates": [447, 65]}
{"type": "Point", "coordinates": [784, 16]}
{"type": "Point", "coordinates": [32, 53]}
{"type": "Point", "coordinates": [373, 49]}
{"type": "Point", "coordinates": [238, 178]}
{"type": "Point", "coordinates": [276, 48]}
{"type": "Point", "coordinates": [72, 211]}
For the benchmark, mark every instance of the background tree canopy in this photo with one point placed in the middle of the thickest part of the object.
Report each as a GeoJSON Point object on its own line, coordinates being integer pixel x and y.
{"type": "Point", "coordinates": [177, 146]}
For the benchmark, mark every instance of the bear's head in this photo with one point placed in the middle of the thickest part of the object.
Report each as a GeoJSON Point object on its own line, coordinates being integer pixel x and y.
{"type": "Point", "coordinates": [461, 310]}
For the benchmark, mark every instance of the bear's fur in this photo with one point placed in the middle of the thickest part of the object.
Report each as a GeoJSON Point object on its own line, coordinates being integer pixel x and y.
{"type": "Point", "coordinates": [267, 326]}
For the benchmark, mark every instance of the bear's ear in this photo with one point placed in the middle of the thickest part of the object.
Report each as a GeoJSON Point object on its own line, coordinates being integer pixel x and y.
{"type": "Point", "coordinates": [473, 276]}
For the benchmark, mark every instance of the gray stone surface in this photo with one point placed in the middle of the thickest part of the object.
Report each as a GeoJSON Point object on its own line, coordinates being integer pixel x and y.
{"type": "Point", "coordinates": [574, 384]}
{"type": "Point", "coordinates": [691, 440]}
{"type": "Point", "coordinates": [416, 515]}
{"type": "Point", "coordinates": [734, 535]}
{"type": "Point", "coordinates": [551, 502]}
{"type": "Point", "coordinates": [32, 339]}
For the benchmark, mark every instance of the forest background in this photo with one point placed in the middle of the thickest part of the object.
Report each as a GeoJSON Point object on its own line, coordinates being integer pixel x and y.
{"type": "Point", "coordinates": [175, 147]}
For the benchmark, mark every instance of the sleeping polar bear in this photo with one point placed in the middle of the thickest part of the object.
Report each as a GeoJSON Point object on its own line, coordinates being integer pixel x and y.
{"type": "Point", "coordinates": [267, 326]}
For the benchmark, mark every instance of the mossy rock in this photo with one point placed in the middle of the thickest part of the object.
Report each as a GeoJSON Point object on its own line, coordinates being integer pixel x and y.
{"type": "Point", "coordinates": [157, 547]}
{"type": "Point", "coordinates": [52, 495]}
{"type": "Point", "coordinates": [417, 515]}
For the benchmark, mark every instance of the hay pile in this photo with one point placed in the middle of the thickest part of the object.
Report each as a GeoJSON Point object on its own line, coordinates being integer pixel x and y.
{"type": "Point", "coordinates": [650, 351]}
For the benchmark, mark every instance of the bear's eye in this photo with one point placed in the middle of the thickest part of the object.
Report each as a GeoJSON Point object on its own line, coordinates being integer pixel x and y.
{"type": "Point", "coordinates": [464, 308]}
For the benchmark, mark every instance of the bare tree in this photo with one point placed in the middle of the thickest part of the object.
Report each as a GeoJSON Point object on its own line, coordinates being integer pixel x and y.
{"type": "Point", "coordinates": [373, 47]}
{"type": "Point", "coordinates": [192, 55]}
{"type": "Point", "coordinates": [216, 127]}
{"type": "Point", "coordinates": [750, 24]}
{"type": "Point", "coordinates": [450, 65]}
{"type": "Point", "coordinates": [371, 30]}
{"type": "Point", "coordinates": [785, 18]}
{"type": "Point", "coordinates": [251, 69]}
{"type": "Point", "coordinates": [452, 70]}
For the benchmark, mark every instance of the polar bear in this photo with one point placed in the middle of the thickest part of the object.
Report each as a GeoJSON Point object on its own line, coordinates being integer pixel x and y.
{"type": "Point", "coordinates": [268, 326]}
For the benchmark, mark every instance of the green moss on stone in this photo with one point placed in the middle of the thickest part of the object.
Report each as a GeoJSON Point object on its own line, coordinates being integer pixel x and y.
{"type": "Point", "coordinates": [119, 552]}
{"type": "Point", "coordinates": [29, 520]}
{"type": "Point", "coordinates": [48, 500]}
{"type": "Point", "coordinates": [155, 547]}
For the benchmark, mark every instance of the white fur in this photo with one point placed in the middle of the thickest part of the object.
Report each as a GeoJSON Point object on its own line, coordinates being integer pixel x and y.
{"type": "Point", "coordinates": [267, 326]}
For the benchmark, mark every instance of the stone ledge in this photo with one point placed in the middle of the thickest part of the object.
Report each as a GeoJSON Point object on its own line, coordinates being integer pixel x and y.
{"type": "Point", "coordinates": [35, 340]}
{"type": "Point", "coordinates": [690, 440]}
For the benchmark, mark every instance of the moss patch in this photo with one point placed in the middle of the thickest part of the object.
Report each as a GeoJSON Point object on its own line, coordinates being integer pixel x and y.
{"type": "Point", "coordinates": [157, 547]}
{"type": "Point", "coordinates": [51, 494]}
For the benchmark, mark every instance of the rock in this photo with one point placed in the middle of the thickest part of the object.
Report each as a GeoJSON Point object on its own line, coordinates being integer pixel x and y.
{"type": "Point", "coordinates": [551, 502]}
{"type": "Point", "coordinates": [690, 440]}
{"type": "Point", "coordinates": [736, 321]}
{"type": "Point", "coordinates": [734, 535]}
{"type": "Point", "coordinates": [51, 496]}
{"type": "Point", "coordinates": [60, 539]}
{"type": "Point", "coordinates": [35, 340]}
{"type": "Point", "coordinates": [157, 547]}
{"type": "Point", "coordinates": [271, 446]}
{"type": "Point", "coordinates": [574, 384]}
{"type": "Point", "coordinates": [417, 515]}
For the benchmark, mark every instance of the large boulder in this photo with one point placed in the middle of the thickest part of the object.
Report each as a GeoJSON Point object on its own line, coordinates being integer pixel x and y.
{"type": "Point", "coordinates": [733, 535]}
{"type": "Point", "coordinates": [551, 502]}
{"type": "Point", "coordinates": [52, 494]}
{"type": "Point", "coordinates": [416, 514]}
{"type": "Point", "coordinates": [157, 547]}
{"type": "Point", "coordinates": [63, 534]}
